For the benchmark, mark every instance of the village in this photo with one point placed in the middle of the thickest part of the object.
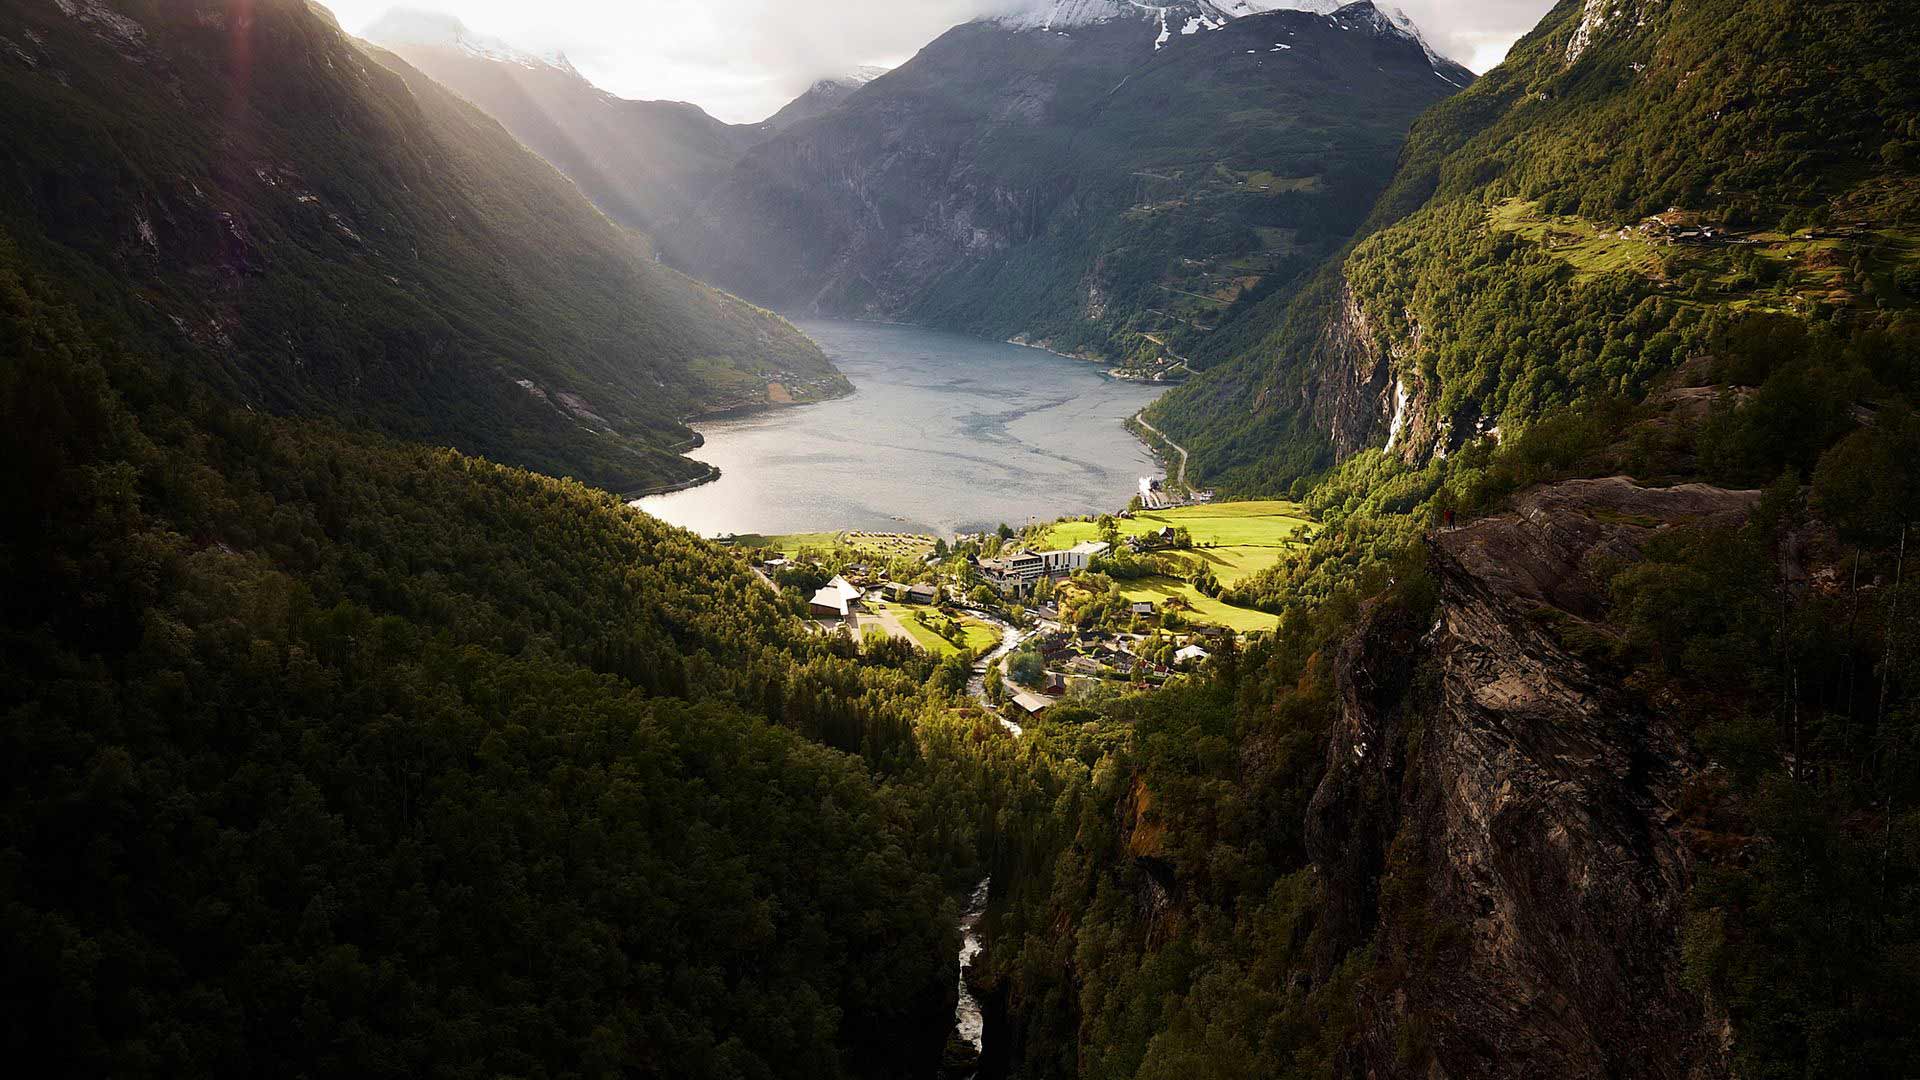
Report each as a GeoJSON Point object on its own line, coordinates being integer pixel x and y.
{"type": "Point", "coordinates": [1051, 613]}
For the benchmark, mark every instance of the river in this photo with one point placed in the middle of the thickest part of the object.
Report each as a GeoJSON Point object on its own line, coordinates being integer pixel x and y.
{"type": "Point", "coordinates": [943, 434]}
{"type": "Point", "coordinates": [967, 1018]}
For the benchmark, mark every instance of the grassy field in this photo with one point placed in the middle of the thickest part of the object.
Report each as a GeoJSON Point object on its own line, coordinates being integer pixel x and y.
{"type": "Point", "coordinates": [1202, 609]}
{"type": "Point", "coordinates": [1799, 269]}
{"type": "Point", "coordinates": [979, 636]}
{"type": "Point", "coordinates": [1247, 537]}
{"type": "Point", "coordinates": [881, 545]}
{"type": "Point", "coordinates": [1236, 539]}
{"type": "Point", "coordinates": [1591, 250]}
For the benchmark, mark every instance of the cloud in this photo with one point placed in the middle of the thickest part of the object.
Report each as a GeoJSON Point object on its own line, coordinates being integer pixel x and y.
{"type": "Point", "coordinates": [1475, 32]}
{"type": "Point", "coordinates": [743, 59]}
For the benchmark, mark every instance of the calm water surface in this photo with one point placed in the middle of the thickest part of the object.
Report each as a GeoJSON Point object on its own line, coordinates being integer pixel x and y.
{"type": "Point", "coordinates": [942, 434]}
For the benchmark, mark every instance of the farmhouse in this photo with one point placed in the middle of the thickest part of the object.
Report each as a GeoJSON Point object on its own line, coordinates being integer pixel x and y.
{"type": "Point", "coordinates": [1084, 665]}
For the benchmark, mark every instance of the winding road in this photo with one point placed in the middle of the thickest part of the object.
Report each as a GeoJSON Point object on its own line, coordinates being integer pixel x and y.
{"type": "Point", "coordinates": [1180, 475]}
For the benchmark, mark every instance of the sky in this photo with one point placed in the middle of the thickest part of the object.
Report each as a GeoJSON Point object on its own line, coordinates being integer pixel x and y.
{"type": "Point", "coordinates": [743, 59]}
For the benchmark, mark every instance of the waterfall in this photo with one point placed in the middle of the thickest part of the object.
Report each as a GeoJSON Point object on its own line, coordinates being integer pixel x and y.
{"type": "Point", "coordinates": [966, 1012]}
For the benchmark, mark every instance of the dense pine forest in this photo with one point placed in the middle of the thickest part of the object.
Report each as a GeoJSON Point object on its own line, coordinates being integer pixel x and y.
{"type": "Point", "coordinates": [1588, 743]}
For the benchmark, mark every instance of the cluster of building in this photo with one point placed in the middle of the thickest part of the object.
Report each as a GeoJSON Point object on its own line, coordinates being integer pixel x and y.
{"type": "Point", "coordinates": [842, 598]}
{"type": "Point", "coordinates": [1073, 658]}
{"type": "Point", "coordinates": [1015, 575]}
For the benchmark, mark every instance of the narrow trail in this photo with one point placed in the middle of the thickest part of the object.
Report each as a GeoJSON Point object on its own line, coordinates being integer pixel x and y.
{"type": "Point", "coordinates": [1180, 474]}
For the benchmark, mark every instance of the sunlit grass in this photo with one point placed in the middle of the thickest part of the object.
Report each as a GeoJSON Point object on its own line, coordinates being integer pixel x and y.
{"type": "Point", "coordinates": [1201, 608]}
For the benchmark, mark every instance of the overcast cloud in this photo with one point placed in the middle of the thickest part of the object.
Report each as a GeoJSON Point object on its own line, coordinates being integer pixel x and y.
{"type": "Point", "coordinates": [743, 59]}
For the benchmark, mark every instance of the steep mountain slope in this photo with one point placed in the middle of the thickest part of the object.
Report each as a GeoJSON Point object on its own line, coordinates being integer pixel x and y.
{"type": "Point", "coordinates": [821, 98]}
{"type": "Point", "coordinates": [324, 755]}
{"type": "Point", "coordinates": [1095, 175]}
{"type": "Point", "coordinates": [1497, 818]}
{"type": "Point", "coordinates": [333, 234]}
{"type": "Point", "coordinates": [1616, 777]}
{"type": "Point", "coordinates": [640, 161]}
{"type": "Point", "coordinates": [1557, 233]}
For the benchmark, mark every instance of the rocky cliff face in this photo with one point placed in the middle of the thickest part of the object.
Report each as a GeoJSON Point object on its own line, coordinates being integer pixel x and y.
{"type": "Point", "coordinates": [1357, 391]}
{"type": "Point", "coordinates": [1498, 813]}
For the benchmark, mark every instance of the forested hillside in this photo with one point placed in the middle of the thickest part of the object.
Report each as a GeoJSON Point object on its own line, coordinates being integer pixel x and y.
{"type": "Point", "coordinates": [1110, 178]}
{"type": "Point", "coordinates": [330, 754]}
{"type": "Point", "coordinates": [331, 234]}
{"type": "Point", "coordinates": [1569, 228]}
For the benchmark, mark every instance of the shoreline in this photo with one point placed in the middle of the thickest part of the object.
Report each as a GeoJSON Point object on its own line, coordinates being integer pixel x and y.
{"type": "Point", "coordinates": [712, 474]}
{"type": "Point", "coordinates": [735, 412]}
{"type": "Point", "coordinates": [1114, 373]}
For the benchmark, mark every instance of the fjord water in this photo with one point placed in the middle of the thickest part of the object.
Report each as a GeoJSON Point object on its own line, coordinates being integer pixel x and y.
{"type": "Point", "coordinates": [943, 434]}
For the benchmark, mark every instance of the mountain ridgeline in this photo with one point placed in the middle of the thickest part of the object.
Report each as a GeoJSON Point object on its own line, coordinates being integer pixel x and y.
{"type": "Point", "coordinates": [643, 162]}
{"type": "Point", "coordinates": [320, 230]}
{"type": "Point", "coordinates": [1587, 746]}
{"type": "Point", "coordinates": [821, 98]}
{"type": "Point", "coordinates": [1099, 177]}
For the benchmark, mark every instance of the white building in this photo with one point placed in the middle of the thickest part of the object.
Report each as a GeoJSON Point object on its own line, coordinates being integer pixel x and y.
{"type": "Point", "coordinates": [1076, 558]}
{"type": "Point", "coordinates": [1016, 573]}
{"type": "Point", "coordinates": [836, 599]}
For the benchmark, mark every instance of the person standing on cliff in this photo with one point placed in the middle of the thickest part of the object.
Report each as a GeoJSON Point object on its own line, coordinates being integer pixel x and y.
{"type": "Point", "coordinates": [1447, 520]}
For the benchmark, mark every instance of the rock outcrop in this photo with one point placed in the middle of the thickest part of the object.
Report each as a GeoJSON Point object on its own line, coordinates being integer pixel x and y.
{"type": "Point", "coordinates": [1498, 814]}
{"type": "Point", "coordinates": [1356, 389]}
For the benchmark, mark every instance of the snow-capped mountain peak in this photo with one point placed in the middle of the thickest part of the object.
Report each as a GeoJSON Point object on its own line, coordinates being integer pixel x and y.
{"type": "Point", "coordinates": [854, 79]}
{"type": "Point", "coordinates": [1210, 14]}
{"type": "Point", "coordinates": [1389, 20]}
{"type": "Point", "coordinates": [433, 29]}
{"type": "Point", "coordinates": [1186, 17]}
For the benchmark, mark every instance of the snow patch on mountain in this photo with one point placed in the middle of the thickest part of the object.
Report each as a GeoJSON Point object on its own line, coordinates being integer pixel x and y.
{"type": "Point", "coordinates": [1195, 16]}
{"type": "Point", "coordinates": [431, 29]}
{"type": "Point", "coordinates": [852, 80]}
{"type": "Point", "coordinates": [1050, 15]}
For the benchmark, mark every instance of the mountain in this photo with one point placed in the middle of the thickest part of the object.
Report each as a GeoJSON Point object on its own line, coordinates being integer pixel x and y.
{"type": "Point", "coordinates": [1094, 175]}
{"type": "Point", "coordinates": [642, 162]}
{"type": "Point", "coordinates": [1586, 746]}
{"type": "Point", "coordinates": [1566, 229]}
{"type": "Point", "coordinates": [318, 229]}
{"type": "Point", "coordinates": [822, 98]}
